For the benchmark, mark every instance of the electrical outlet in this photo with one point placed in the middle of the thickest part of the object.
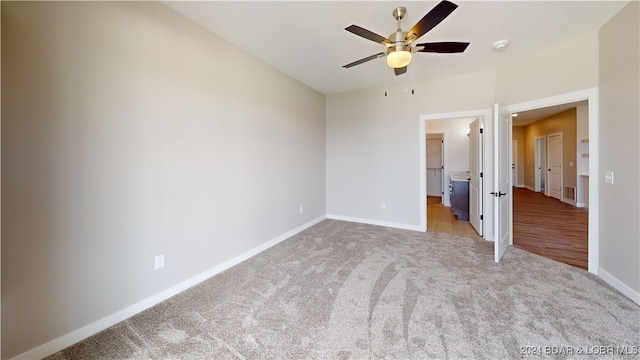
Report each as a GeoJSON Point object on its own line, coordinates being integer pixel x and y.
{"type": "Point", "coordinates": [383, 206]}
{"type": "Point", "coordinates": [159, 262]}
{"type": "Point", "coordinates": [301, 209]}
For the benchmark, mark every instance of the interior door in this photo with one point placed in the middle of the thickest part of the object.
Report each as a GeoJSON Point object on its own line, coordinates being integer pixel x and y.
{"type": "Point", "coordinates": [501, 184]}
{"type": "Point", "coordinates": [554, 145]}
{"type": "Point", "coordinates": [476, 180]}
{"type": "Point", "coordinates": [442, 167]}
{"type": "Point", "coordinates": [514, 165]}
{"type": "Point", "coordinates": [540, 163]}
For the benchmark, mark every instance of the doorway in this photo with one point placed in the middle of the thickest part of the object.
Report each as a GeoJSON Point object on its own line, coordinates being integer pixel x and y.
{"type": "Point", "coordinates": [589, 98]}
{"type": "Point", "coordinates": [435, 168]}
{"type": "Point", "coordinates": [549, 224]}
{"type": "Point", "coordinates": [455, 127]}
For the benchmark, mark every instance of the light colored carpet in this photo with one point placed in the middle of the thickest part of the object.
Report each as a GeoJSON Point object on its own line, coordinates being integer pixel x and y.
{"type": "Point", "coordinates": [343, 290]}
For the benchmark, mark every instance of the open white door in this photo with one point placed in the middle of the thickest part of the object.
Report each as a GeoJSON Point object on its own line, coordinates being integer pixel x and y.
{"type": "Point", "coordinates": [442, 169]}
{"type": "Point", "coordinates": [501, 186]}
{"type": "Point", "coordinates": [475, 169]}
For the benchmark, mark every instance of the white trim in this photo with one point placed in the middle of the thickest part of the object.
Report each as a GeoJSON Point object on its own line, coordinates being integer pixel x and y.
{"type": "Point", "coordinates": [619, 285]}
{"type": "Point", "coordinates": [377, 222]}
{"type": "Point", "coordinates": [592, 96]}
{"type": "Point", "coordinates": [486, 115]}
{"type": "Point", "coordinates": [84, 332]}
{"type": "Point", "coordinates": [580, 205]}
{"type": "Point", "coordinates": [530, 188]}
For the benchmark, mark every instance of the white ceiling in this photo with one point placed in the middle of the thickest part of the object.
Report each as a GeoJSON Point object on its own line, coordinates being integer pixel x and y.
{"type": "Point", "coordinates": [307, 40]}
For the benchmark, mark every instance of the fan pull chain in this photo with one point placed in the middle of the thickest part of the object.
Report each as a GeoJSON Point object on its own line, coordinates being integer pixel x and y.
{"type": "Point", "coordinates": [413, 82]}
{"type": "Point", "coordinates": [385, 79]}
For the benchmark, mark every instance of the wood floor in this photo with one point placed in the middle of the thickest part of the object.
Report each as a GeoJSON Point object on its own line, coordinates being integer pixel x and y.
{"type": "Point", "coordinates": [541, 225]}
{"type": "Point", "coordinates": [441, 219]}
{"type": "Point", "coordinates": [548, 227]}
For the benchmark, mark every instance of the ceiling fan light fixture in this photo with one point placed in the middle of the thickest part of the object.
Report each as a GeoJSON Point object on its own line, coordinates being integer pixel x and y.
{"type": "Point", "coordinates": [399, 59]}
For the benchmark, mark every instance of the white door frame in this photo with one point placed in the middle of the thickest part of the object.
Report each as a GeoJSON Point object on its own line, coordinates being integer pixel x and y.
{"type": "Point", "coordinates": [591, 95]}
{"type": "Point", "coordinates": [487, 115]}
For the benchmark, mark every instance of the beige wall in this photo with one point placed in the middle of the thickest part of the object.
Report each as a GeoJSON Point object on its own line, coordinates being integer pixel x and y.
{"type": "Point", "coordinates": [564, 122]}
{"type": "Point", "coordinates": [373, 144]}
{"type": "Point", "coordinates": [127, 132]}
{"type": "Point", "coordinates": [568, 67]}
{"type": "Point", "coordinates": [619, 150]}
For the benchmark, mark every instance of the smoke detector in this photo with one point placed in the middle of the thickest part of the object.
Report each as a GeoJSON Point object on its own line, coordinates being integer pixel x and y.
{"type": "Point", "coordinates": [500, 45]}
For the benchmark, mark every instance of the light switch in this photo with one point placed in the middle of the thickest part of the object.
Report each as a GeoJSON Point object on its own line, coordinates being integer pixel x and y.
{"type": "Point", "coordinates": [608, 177]}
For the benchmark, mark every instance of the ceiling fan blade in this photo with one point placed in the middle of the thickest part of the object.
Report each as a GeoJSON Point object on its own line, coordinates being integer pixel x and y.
{"type": "Point", "coordinates": [355, 29]}
{"type": "Point", "coordinates": [429, 21]}
{"type": "Point", "coordinates": [368, 58]}
{"type": "Point", "coordinates": [443, 47]}
{"type": "Point", "coordinates": [400, 71]}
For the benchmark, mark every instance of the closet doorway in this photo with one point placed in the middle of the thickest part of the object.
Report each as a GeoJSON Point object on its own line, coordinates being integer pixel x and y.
{"type": "Point", "coordinates": [435, 168]}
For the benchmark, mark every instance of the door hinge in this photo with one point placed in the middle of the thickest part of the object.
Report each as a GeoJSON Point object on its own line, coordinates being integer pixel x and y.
{"type": "Point", "coordinates": [442, 167]}
{"type": "Point", "coordinates": [442, 192]}
{"type": "Point", "coordinates": [481, 131]}
{"type": "Point", "coordinates": [481, 217]}
{"type": "Point", "coordinates": [480, 174]}
{"type": "Point", "coordinates": [442, 141]}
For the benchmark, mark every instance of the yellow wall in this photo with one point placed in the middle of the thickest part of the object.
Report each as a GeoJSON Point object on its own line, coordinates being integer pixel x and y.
{"type": "Point", "coordinates": [564, 122]}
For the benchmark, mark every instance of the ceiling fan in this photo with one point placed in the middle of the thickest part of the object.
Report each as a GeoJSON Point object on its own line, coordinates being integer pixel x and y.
{"type": "Point", "coordinates": [399, 44]}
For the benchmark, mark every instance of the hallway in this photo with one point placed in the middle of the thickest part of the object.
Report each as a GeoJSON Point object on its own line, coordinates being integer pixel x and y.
{"type": "Point", "coordinates": [550, 228]}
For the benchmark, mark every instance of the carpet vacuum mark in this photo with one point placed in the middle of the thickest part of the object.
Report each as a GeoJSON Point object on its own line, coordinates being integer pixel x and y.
{"type": "Point", "coordinates": [342, 290]}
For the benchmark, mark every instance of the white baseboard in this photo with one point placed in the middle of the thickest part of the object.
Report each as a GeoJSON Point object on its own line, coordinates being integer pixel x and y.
{"type": "Point", "coordinates": [580, 205]}
{"type": "Point", "coordinates": [376, 222]}
{"type": "Point", "coordinates": [570, 202]}
{"type": "Point", "coordinates": [519, 185]}
{"type": "Point", "coordinates": [84, 332]}
{"type": "Point", "coordinates": [619, 285]}
{"type": "Point", "coordinates": [530, 188]}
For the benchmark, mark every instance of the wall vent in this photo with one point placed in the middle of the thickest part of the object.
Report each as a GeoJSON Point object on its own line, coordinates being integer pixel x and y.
{"type": "Point", "coordinates": [569, 193]}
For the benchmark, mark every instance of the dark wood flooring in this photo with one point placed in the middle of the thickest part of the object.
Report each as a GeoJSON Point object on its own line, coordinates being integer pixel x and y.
{"type": "Point", "coordinates": [548, 227]}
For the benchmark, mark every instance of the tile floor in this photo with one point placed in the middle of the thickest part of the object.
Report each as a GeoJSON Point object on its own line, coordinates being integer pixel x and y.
{"type": "Point", "coordinates": [441, 219]}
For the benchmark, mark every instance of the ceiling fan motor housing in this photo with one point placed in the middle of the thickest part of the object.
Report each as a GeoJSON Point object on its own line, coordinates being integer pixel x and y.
{"type": "Point", "coordinates": [398, 41]}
